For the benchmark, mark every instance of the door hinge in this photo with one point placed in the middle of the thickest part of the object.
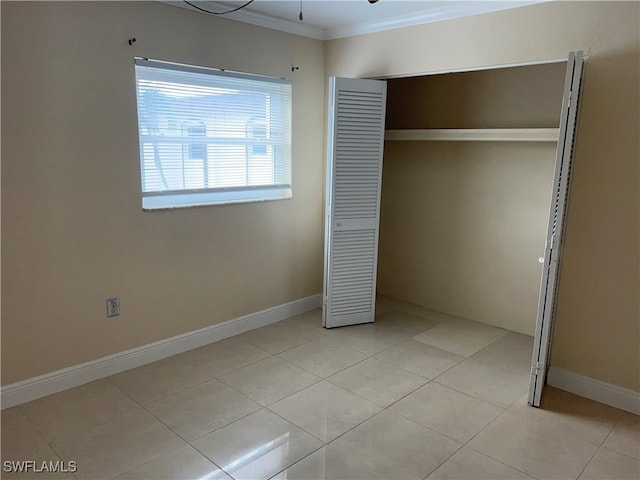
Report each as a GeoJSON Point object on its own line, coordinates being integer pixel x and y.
{"type": "Point", "coordinates": [535, 369]}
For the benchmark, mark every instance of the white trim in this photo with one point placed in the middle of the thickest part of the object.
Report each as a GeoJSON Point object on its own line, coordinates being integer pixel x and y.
{"type": "Point", "coordinates": [478, 68]}
{"type": "Point", "coordinates": [288, 26]}
{"type": "Point", "coordinates": [449, 11]}
{"type": "Point", "coordinates": [223, 196]}
{"type": "Point", "coordinates": [259, 19]}
{"type": "Point", "coordinates": [476, 134]}
{"type": "Point", "coordinates": [445, 12]}
{"type": "Point", "coordinates": [607, 393]}
{"type": "Point", "coordinates": [37, 387]}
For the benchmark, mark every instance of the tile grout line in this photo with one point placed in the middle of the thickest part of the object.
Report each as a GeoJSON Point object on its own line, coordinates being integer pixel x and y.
{"type": "Point", "coordinates": [586, 465]}
{"type": "Point", "coordinates": [620, 453]}
{"type": "Point", "coordinates": [296, 462]}
{"type": "Point", "coordinates": [444, 461]}
{"type": "Point", "coordinates": [423, 426]}
{"type": "Point", "coordinates": [602, 445]}
{"type": "Point", "coordinates": [287, 396]}
{"type": "Point", "coordinates": [49, 442]}
{"type": "Point", "coordinates": [194, 385]}
{"type": "Point", "coordinates": [332, 440]}
{"type": "Point", "coordinates": [468, 442]}
{"type": "Point", "coordinates": [332, 374]}
{"type": "Point", "coordinates": [498, 460]}
{"type": "Point", "coordinates": [187, 442]}
{"type": "Point", "coordinates": [511, 466]}
{"type": "Point", "coordinates": [205, 456]}
{"type": "Point", "coordinates": [474, 397]}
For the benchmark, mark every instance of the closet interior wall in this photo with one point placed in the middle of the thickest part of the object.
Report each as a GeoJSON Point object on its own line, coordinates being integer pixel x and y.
{"type": "Point", "coordinates": [463, 223]}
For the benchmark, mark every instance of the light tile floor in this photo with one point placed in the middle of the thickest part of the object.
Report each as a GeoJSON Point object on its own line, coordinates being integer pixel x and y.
{"type": "Point", "coordinates": [418, 394]}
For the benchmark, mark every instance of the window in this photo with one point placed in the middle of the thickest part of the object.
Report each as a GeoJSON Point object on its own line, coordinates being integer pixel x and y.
{"type": "Point", "coordinates": [209, 136]}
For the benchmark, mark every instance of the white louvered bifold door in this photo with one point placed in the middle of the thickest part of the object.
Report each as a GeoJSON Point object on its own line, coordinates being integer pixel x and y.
{"type": "Point", "coordinates": [354, 174]}
{"type": "Point", "coordinates": [555, 231]}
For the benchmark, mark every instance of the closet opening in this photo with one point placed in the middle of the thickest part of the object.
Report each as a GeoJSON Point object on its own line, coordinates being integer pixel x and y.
{"type": "Point", "coordinates": [457, 217]}
{"type": "Point", "coordinates": [467, 184]}
{"type": "Point", "coordinates": [463, 220]}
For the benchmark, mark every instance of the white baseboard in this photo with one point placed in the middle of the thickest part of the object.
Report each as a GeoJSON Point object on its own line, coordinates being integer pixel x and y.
{"type": "Point", "coordinates": [43, 385]}
{"type": "Point", "coordinates": [622, 398]}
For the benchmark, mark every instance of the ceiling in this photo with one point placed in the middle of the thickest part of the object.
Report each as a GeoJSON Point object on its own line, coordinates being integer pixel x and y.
{"type": "Point", "coordinates": [329, 19]}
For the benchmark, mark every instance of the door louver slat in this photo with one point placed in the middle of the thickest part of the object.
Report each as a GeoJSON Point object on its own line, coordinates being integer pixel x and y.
{"type": "Point", "coordinates": [353, 196]}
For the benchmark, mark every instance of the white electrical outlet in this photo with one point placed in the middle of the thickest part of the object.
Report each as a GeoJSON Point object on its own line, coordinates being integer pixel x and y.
{"type": "Point", "coordinates": [113, 307]}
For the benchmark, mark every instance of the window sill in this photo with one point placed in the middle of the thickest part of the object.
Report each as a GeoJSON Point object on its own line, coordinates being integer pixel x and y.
{"type": "Point", "coordinates": [197, 199]}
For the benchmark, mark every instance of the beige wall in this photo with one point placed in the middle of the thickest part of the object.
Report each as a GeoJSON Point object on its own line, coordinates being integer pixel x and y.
{"type": "Point", "coordinates": [598, 323]}
{"type": "Point", "coordinates": [516, 97]}
{"type": "Point", "coordinates": [73, 231]}
{"type": "Point", "coordinates": [463, 223]}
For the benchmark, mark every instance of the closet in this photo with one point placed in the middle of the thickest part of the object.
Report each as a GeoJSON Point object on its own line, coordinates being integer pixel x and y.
{"type": "Point", "coordinates": [466, 186]}
{"type": "Point", "coordinates": [466, 213]}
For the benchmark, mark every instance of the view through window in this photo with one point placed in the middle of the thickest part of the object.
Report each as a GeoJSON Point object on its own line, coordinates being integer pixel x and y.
{"type": "Point", "coordinates": [210, 136]}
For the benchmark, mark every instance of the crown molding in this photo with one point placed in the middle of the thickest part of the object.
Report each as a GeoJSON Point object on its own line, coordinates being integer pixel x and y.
{"type": "Point", "coordinates": [445, 12]}
{"type": "Point", "coordinates": [246, 16]}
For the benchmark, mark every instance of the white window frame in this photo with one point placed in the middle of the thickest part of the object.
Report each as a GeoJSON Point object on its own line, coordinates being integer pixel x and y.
{"type": "Point", "coordinates": [183, 196]}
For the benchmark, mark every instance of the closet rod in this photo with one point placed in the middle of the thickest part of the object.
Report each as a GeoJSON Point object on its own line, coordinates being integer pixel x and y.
{"type": "Point", "coordinates": [475, 134]}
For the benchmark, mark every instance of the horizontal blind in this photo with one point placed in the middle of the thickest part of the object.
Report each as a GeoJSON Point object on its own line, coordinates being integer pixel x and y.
{"type": "Point", "coordinates": [207, 130]}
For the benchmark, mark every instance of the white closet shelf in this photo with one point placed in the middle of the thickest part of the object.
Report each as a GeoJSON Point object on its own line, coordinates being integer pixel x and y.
{"type": "Point", "coordinates": [476, 134]}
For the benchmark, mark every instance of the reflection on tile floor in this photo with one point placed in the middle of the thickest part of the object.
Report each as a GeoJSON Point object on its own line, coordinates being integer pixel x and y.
{"type": "Point", "coordinates": [419, 394]}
